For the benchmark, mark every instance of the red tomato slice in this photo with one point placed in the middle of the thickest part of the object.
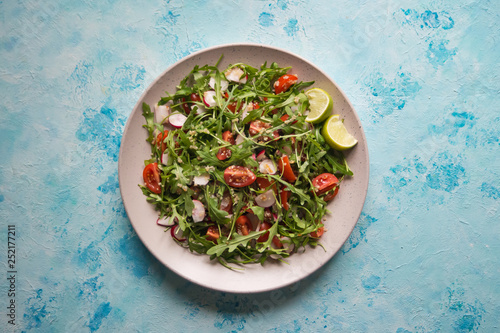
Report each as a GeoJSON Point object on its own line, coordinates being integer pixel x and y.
{"type": "Point", "coordinates": [224, 152]}
{"type": "Point", "coordinates": [151, 176]}
{"type": "Point", "coordinates": [212, 233]}
{"type": "Point", "coordinates": [277, 242]}
{"type": "Point", "coordinates": [285, 169]}
{"type": "Point", "coordinates": [318, 233]}
{"type": "Point", "coordinates": [284, 196]}
{"type": "Point", "coordinates": [324, 183]}
{"type": "Point", "coordinates": [233, 107]}
{"type": "Point", "coordinates": [238, 176]}
{"type": "Point", "coordinates": [265, 236]}
{"type": "Point", "coordinates": [228, 137]}
{"type": "Point", "coordinates": [243, 225]}
{"type": "Point", "coordinates": [159, 140]}
{"type": "Point", "coordinates": [284, 83]}
{"type": "Point", "coordinates": [332, 195]}
{"type": "Point", "coordinates": [264, 183]}
{"type": "Point", "coordinates": [257, 126]}
{"type": "Point", "coordinates": [285, 118]}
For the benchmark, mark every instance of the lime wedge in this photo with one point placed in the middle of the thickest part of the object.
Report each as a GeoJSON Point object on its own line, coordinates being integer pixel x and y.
{"type": "Point", "coordinates": [337, 135]}
{"type": "Point", "coordinates": [320, 105]}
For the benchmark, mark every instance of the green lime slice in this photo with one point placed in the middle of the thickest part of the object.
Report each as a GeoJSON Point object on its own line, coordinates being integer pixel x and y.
{"type": "Point", "coordinates": [337, 135]}
{"type": "Point", "coordinates": [320, 105]}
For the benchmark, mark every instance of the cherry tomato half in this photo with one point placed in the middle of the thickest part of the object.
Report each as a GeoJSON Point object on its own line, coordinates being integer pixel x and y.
{"type": "Point", "coordinates": [233, 106]}
{"type": "Point", "coordinates": [332, 195]}
{"type": "Point", "coordinates": [264, 183]}
{"type": "Point", "coordinates": [257, 126]}
{"type": "Point", "coordinates": [277, 242]}
{"type": "Point", "coordinates": [238, 176]}
{"type": "Point", "coordinates": [195, 97]}
{"type": "Point", "coordinates": [151, 175]}
{"type": "Point", "coordinates": [324, 183]}
{"type": "Point", "coordinates": [159, 140]}
{"type": "Point", "coordinates": [285, 117]}
{"type": "Point", "coordinates": [284, 196]}
{"type": "Point", "coordinates": [265, 236]}
{"type": "Point", "coordinates": [243, 225]}
{"type": "Point", "coordinates": [185, 105]}
{"type": "Point", "coordinates": [284, 83]}
{"type": "Point", "coordinates": [318, 233]}
{"type": "Point", "coordinates": [224, 152]}
{"type": "Point", "coordinates": [212, 233]}
{"type": "Point", "coordinates": [285, 169]}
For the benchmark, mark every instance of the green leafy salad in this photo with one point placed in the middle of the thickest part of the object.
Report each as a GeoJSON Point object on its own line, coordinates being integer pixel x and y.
{"type": "Point", "coordinates": [237, 171]}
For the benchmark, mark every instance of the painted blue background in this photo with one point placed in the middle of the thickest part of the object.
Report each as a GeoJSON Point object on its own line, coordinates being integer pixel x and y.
{"type": "Point", "coordinates": [424, 79]}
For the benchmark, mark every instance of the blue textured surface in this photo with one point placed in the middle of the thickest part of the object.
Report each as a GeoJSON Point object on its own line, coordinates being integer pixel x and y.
{"type": "Point", "coordinates": [424, 79]}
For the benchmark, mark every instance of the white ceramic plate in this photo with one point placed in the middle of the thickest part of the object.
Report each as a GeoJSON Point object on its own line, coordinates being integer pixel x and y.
{"type": "Point", "coordinates": [199, 269]}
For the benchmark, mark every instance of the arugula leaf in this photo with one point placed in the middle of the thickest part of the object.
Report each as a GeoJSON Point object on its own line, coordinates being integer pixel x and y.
{"type": "Point", "coordinates": [231, 245]}
{"type": "Point", "coordinates": [149, 116]}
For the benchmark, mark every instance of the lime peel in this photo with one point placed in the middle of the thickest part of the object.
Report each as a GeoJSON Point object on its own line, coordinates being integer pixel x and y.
{"type": "Point", "coordinates": [336, 135]}
{"type": "Point", "coordinates": [320, 105]}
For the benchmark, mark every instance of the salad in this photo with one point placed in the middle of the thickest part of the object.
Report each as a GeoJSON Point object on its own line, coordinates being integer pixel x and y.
{"type": "Point", "coordinates": [236, 172]}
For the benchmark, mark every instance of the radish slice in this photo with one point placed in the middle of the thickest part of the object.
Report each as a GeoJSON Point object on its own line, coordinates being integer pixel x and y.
{"type": "Point", "coordinates": [161, 114]}
{"type": "Point", "coordinates": [209, 98]}
{"type": "Point", "coordinates": [253, 156]}
{"type": "Point", "coordinates": [288, 246]}
{"type": "Point", "coordinates": [198, 211]}
{"type": "Point", "coordinates": [164, 158]}
{"type": "Point", "coordinates": [267, 166]}
{"type": "Point", "coordinates": [239, 139]}
{"type": "Point", "coordinates": [261, 156]}
{"type": "Point", "coordinates": [199, 109]}
{"type": "Point", "coordinates": [235, 74]}
{"type": "Point", "coordinates": [166, 222]}
{"type": "Point", "coordinates": [265, 199]}
{"type": "Point", "coordinates": [223, 84]}
{"type": "Point", "coordinates": [177, 233]}
{"type": "Point", "coordinates": [177, 119]}
{"type": "Point", "coordinates": [245, 109]}
{"type": "Point", "coordinates": [201, 179]}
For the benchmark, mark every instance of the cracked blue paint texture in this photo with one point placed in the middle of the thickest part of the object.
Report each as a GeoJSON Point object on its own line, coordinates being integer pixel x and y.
{"type": "Point", "coordinates": [423, 78]}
